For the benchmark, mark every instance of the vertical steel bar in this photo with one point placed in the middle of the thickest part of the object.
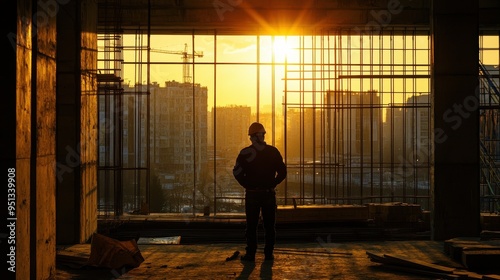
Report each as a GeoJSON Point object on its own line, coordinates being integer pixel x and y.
{"type": "Point", "coordinates": [194, 115]}
{"type": "Point", "coordinates": [214, 120]}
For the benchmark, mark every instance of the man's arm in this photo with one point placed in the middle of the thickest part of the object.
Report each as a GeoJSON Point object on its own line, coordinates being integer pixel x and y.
{"type": "Point", "coordinates": [280, 170]}
{"type": "Point", "coordinates": [245, 156]}
{"type": "Point", "coordinates": [239, 172]}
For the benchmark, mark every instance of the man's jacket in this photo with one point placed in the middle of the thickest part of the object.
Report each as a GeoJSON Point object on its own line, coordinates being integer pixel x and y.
{"type": "Point", "coordinates": [259, 169]}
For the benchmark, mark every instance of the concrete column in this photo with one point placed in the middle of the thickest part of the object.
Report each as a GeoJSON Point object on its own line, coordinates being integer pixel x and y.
{"type": "Point", "coordinates": [16, 141]}
{"type": "Point", "coordinates": [455, 107]}
{"type": "Point", "coordinates": [29, 105]}
{"type": "Point", "coordinates": [76, 121]}
{"type": "Point", "coordinates": [43, 143]}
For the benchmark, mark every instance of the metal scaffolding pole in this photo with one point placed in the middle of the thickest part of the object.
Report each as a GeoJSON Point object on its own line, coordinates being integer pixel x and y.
{"type": "Point", "coordinates": [370, 89]}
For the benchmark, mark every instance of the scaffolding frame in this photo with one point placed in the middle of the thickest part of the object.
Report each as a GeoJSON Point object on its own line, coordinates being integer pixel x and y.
{"type": "Point", "coordinates": [489, 112]}
{"type": "Point", "coordinates": [345, 146]}
{"type": "Point", "coordinates": [123, 157]}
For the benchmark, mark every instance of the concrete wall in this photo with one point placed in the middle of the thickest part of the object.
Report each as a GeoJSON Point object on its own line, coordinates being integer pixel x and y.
{"type": "Point", "coordinates": [76, 122]}
{"type": "Point", "coordinates": [88, 119]}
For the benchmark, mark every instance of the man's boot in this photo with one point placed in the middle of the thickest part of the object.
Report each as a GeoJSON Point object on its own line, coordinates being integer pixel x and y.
{"type": "Point", "coordinates": [268, 254]}
{"type": "Point", "coordinates": [249, 255]}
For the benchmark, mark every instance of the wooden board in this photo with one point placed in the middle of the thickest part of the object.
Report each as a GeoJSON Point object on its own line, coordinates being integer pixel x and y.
{"type": "Point", "coordinates": [448, 244]}
{"type": "Point", "coordinates": [490, 221]}
{"type": "Point", "coordinates": [468, 275]}
{"type": "Point", "coordinates": [322, 213]}
{"type": "Point", "coordinates": [413, 266]}
{"type": "Point", "coordinates": [436, 275]}
{"type": "Point", "coordinates": [490, 235]}
{"type": "Point", "coordinates": [481, 259]}
{"type": "Point", "coordinates": [374, 257]}
{"type": "Point", "coordinates": [394, 212]}
{"type": "Point", "coordinates": [418, 264]}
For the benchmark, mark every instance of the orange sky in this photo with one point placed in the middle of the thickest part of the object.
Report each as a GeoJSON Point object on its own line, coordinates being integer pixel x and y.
{"type": "Point", "coordinates": [238, 85]}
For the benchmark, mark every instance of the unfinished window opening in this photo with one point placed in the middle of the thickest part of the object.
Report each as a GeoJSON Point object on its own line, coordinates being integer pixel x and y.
{"type": "Point", "coordinates": [350, 113]}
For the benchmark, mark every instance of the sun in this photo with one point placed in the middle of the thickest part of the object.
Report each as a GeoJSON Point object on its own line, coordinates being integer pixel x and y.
{"type": "Point", "coordinates": [281, 45]}
{"type": "Point", "coordinates": [284, 49]}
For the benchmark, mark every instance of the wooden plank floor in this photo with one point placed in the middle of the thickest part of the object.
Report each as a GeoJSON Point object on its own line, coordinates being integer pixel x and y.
{"type": "Point", "coordinates": [325, 259]}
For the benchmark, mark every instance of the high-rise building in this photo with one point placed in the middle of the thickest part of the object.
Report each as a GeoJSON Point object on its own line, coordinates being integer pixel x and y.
{"type": "Point", "coordinates": [273, 123]}
{"type": "Point", "coordinates": [393, 136]}
{"type": "Point", "coordinates": [354, 123]}
{"type": "Point", "coordinates": [418, 129]}
{"type": "Point", "coordinates": [231, 124]}
{"type": "Point", "coordinates": [179, 132]}
{"type": "Point", "coordinates": [303, 140]}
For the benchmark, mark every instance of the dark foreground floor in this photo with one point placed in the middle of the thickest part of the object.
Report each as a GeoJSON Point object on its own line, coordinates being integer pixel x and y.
{"type": "Point", "coordinates": [324, 259]}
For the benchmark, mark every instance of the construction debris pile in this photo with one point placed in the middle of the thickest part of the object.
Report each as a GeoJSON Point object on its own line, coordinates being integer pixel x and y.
{"type": "Point", "coordinates": [476, 258]}
{"type": "Point", "coordinates": [473, 253]}
{"type": "Point", "coordinates": [105, 252]}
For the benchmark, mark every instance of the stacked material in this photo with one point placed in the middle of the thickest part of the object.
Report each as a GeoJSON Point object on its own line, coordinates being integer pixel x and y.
{"type": "Point", "coordinates": [414, 266]}
{"type": "Point", "coordinates": [473, 253]}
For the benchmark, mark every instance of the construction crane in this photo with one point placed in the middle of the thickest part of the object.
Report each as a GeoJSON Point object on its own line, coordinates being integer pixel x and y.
{"type": "Point", "coordinates": [185, 57]}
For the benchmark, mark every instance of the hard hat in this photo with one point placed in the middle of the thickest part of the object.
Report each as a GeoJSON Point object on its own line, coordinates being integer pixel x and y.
{"type": "Point", "coordinates": [256, 127]}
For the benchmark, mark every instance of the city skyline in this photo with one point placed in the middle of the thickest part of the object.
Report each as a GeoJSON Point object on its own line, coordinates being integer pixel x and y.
{"type": "Point", "coordinates": [243, 79]}
{"type": "Point", "coordinates": [247, 73]}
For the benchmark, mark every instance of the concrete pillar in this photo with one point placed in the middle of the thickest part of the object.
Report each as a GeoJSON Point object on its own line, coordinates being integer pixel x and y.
{"type": "Point", "coordinates": [15, 156]}
{"type": "Point", "coordinates": [76, 121]}
{"type": "Point", "coordinates": [43, 156]}
{"type": "Point", "coordinates": [455, 187]}
{"type": "Point", "coordinates": [29, 105]}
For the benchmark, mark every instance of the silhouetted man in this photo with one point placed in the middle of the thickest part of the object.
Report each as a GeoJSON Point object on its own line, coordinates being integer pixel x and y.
{"type": "Point", "coordinates": [259, 169]}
